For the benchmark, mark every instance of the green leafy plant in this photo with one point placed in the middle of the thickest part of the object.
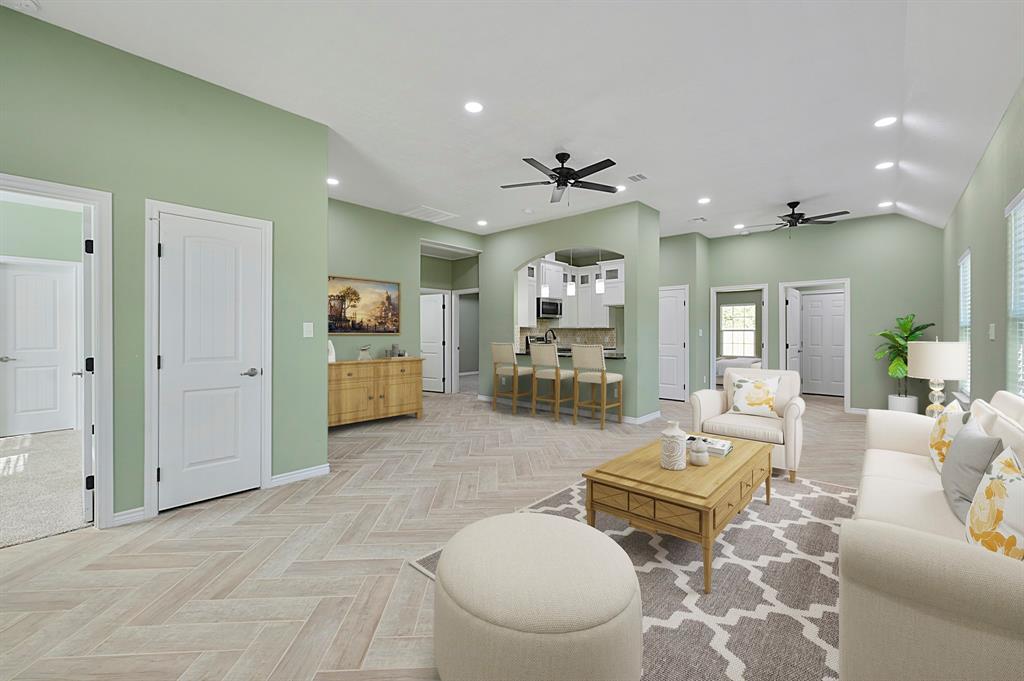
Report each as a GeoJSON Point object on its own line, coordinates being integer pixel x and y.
{"type": "Point", "coordinates": [894, 348]}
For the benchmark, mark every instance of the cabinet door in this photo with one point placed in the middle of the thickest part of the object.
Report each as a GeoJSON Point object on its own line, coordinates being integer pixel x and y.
{"type": "Point", "coordinates": [398, 396]}
{"type": "Point", "coordinates": [523, 299]}
{"type": "Point", "coordinates": [351, 400]}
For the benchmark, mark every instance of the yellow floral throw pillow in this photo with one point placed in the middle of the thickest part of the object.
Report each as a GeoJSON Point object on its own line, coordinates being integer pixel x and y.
{"type": "Point", "coordinates": [996, 519]}
{"type": "Point", "coordinates": [947, 425]}
{"type": "Point", "coordinates": [755, 396]}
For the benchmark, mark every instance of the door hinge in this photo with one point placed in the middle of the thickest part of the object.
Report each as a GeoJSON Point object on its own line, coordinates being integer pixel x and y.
{"type": "Point", "coordinates": [787, 303]}
{"type": "Point", "coordinates": [93, 429]}
{"type": "Point", "coordinates": [89, 245]}
{"type": "Point", "coordinates": [90, 482]}
{"type": "Point", "coordinates": [158, 473]}
{"type": "Point", "coordinates": [787, 346]}
{"type": "Point", "coordinates": [159, 250]}
{"type": "Point", "coordinates": [444, 343]}
{"type": "Point", "coordinates": [90, 365]}
{"type": "Point", "coordinates": [159, 362]}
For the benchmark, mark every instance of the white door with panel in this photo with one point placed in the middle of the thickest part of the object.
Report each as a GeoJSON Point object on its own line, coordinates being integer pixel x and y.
{"type": "Point", "coordinates": [793, 339]}
{"type": "Point", "coordinates": [824, 336]}
{"type": "Point", "coordinates": [210, 373]}
{"type": "Point", "coordinates": [432, 340]}
{"type": "Point", "coordinates": [38, 353]}
{"type": "Point", "coordinates": [673, 353]}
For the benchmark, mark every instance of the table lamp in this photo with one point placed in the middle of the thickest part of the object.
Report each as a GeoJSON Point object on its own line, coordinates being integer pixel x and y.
{"type": "Point", "coordinates": [938, 361]}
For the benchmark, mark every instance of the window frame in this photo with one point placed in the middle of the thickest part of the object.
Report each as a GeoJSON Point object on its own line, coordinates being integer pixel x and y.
{"type": "Point", "coordinates": [740, 331]}
{"type": "Point", "coordinates": [964, 329]}
{"type": "Point", "coordinates": [1014, 215]}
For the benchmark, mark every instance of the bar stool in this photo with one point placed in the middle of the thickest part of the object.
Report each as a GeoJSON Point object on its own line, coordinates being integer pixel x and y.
{"type": "Point", "coordinates": [545, 367]}
{"type": "Point", "coordinates": [503, 356]}
{"type": "Point", "coordinates": [588, 367]}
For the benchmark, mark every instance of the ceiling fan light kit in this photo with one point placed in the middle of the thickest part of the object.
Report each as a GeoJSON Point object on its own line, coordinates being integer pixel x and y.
{"type": "Point", "coordinates": [564, 177]}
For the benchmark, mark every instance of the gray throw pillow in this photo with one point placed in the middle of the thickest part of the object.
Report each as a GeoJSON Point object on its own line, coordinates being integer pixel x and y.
{"type": "Point", "coordinates": [966, 462]}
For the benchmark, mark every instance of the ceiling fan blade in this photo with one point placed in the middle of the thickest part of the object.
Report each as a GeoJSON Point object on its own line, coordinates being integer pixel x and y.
{"type": "Point", "coordinates": [827, 215]}
{"type": "Point", "coordinates": [819, 222]}
{"type": "Point", "coordinates": [595, 167]}
{"type": "Point", "coordinates": [767, 224]}
{"type": "Point", "coordinates": [556, 194]}
{"type": "Point", "coordinates": [524, 184]}
{"type": "Point", "coordinates": [779, 227]}
{"type": "Point", "coordinates": [541, 167]}
{"type": "Point", "coordinates": [580, 184]}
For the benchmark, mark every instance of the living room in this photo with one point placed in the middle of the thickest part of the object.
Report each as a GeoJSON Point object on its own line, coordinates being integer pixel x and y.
{"type": "Point", "coordinates": [698, 359]}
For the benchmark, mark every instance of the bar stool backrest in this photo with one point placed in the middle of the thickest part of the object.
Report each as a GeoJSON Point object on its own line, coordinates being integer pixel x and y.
{"type": "Point", "coordinates": [544, 355]}
{"type": "Point", "coordinates": [588, 357]}
{"type": "Point", "coordinates": [503, 354]}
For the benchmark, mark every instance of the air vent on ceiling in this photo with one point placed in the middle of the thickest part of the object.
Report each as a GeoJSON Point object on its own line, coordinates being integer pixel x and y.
{"type": "Point", "coordinates": [639, 177]}
{"type": "Point", "coordinates": [429, 214]}
{"type": "Point", "coordinates": [699, 218]}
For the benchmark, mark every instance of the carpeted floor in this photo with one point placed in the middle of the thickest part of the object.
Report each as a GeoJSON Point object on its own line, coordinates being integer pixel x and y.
{"type": "Point", "coordinates": [40, 485]}
{"type": "Point", "coordinates": [773, 610]}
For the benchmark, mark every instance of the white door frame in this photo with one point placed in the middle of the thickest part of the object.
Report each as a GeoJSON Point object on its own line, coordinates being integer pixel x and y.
{"type": "Point", "coordinates": [152, 335]}
{"type": "Point", "coordinates": [713, 336]}
{"type": "Point", "coordinates": [686, 326]}
{"type": "Point", "coordinates": [456, 341]}
{"type": "Point", "coordinates": [837, 286]}
{"type": "Point", "coordinates": [447, 297]}
{"type": "Point", "coordinates": [97, 226]}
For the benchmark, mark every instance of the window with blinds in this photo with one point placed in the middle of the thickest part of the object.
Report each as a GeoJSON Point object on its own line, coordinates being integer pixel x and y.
{"type": "Point", "coordinates": [1015, 297]}
{"type": "Point", "coordinates": [964, 315]}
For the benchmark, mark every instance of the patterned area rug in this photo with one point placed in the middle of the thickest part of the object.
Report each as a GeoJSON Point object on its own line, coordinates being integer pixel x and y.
{"type": "Point", "coordinates": [773, 613]}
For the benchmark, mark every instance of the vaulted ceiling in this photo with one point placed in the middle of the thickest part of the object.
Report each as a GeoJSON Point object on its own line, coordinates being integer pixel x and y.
{"type": "Point", "coordinates": [751, 104]}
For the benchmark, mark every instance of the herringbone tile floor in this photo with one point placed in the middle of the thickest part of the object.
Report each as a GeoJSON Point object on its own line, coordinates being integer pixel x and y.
{"type": "Point", "coordinates": [309, 580]}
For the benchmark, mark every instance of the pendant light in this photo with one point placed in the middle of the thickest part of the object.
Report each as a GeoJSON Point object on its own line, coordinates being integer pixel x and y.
{"type": "Point", "coordinates": [570, 286]}
{"type": "Point", "coordinates": [598, 279]}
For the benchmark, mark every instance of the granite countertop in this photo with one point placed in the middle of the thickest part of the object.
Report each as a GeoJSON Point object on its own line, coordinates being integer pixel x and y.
{"type": "Point", "coordinates": [609, 353]}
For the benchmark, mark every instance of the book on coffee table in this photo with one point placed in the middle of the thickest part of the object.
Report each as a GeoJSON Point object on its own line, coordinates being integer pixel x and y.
{"type": "Point", "coordinates": [716, 447]}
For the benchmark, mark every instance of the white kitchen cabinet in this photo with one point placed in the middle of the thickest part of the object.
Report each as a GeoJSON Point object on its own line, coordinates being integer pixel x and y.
{"type": "Point", "coordinates": [591, 312]}
{"type": "Point", "coordinates": [614, 274]}
{"type": "Point", "coordinates": [551, 277]}
{"type": "Point", "coordinates": [526, 296]}
{"type": "Point", "coordinates": [570, 304]}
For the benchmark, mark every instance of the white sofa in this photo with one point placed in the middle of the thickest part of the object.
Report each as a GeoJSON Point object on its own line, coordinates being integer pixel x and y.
{"type": "Point", "coordinates": [785, 430]}
{"type": "Point", "coordinates": [916, 601]}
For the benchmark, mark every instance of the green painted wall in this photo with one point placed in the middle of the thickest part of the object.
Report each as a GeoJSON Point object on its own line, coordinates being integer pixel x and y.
{"type": "Point", "coordinates": [466, 273]}
{"type": "Point", "coordinates": [30, 231]}
{"type": "Point", "coordinates": [435, 273]}
{"type": "Point", "coordinates": [79, 112]}
{"type": "Point", "coordinates": [369, 243]}
{"type": "Point", "coordinates": [469, 332]}
{"type": "Point", "coordinates": [630, 229]}
{"type": "Point", "coordinates": [978, 223]}
{"type": "Point", "coordinates": [684, 260]}
{"type": "Point", "coordinates": [740, 298]}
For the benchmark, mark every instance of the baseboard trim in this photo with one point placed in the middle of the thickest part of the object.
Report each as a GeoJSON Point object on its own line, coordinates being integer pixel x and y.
{"type": "Point", "coordinates": [857, 410]}
{"type": "Point", "coordinates": [301, 474]}
{"type": "Point", "coordinates": [132, 515]}
{"type": "Point", "coordinates": [613, 414]}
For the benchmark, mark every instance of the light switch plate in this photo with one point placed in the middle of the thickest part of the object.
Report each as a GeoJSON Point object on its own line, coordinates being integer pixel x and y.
{"type": "Point", "coordinates": [700, 332]}
{"type": "Point", "coordinates": [307, 329]}
{"type": "Point", "coordinates": [991, 332]}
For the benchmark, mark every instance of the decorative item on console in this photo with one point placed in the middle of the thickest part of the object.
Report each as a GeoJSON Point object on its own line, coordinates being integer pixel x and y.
{"type": "Point", "coordinates": [699, 452]}
{"type": "Point", "coordinates": [364, 353]}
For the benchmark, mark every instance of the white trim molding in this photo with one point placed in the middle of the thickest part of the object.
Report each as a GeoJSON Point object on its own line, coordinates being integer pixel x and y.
{"type": "Point", "coordinates": [1012, 206]}
{"type": "Point", "coordinates": [301, 474]}
{"type": "Point", "coordinates": [713, 334]}
{"type": "Point", "coordinates": [132, 515]}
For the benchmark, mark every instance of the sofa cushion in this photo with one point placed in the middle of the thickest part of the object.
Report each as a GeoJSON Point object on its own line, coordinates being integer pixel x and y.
{"type": "Point", "coordinates": [916, 506]}
{"type": "Point", "coordinates": [789, 384]}
{"type": "Point", "coordinates": [996, 518]}
{"type": "Point", "coordinates": [761, 428]}
{"type": "Point", "coordinates": [886, 463]}
{"type": "Point", "coordinates": [966, 462]}
{"type": "Point", "coordinates": [755, 396]}
{"type": "Point", "coordinates": [947, 425]}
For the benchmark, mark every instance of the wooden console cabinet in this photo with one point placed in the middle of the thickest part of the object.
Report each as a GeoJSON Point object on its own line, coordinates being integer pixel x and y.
{"type": "Point", "coordinates": [374, 389]}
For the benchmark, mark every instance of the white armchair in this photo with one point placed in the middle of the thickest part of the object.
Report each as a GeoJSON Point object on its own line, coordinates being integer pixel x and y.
{"type": "Point", "coordinates": [785, 430]}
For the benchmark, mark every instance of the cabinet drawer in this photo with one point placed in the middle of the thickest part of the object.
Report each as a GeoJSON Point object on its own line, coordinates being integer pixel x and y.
{"type": "Point", "coordinates": [348, 372]}
{"type": "Point", "coordinates": [762, 469]}
{"type": "Point", "coordinates": [678, 516]}
{"type": "Point", "coordinates": [727, 506]}
{"type": "Point", "coordinates": [610, 496]}
{"type": "Point", "coordinates": [746, 484]}
{"type": "Point", "coordinates": [400, 369]}
{"type": "Point", "coordinates": [641, 505]}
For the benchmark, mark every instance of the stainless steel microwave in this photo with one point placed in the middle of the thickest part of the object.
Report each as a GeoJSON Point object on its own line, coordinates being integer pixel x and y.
{"type": "Point", "coordinates": [549, 308]}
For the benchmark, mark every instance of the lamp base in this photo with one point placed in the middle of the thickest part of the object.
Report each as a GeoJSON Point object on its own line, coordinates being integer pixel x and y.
{"type": "Point", "coordinates": [937, 397]}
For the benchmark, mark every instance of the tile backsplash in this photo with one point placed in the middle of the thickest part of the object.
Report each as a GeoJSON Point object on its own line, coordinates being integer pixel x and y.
{"type": "Point", "coordinates": [568, 336]}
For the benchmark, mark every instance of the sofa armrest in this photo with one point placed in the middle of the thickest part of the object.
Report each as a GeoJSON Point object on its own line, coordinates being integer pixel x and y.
{"type": "Point", "coordinates": [899, 431]}
{"type": "Point", "coordinates": [794, 410]}
{"type": "Point", "coordinates": [934, 571]}
{"type": "Point", "coordinates": [706, 404]}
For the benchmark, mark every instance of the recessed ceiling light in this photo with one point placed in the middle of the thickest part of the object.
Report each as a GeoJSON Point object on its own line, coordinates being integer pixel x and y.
{"type": "Point", "coordinates": [333, 181]}
{"type": "Point", "coordinates": [885, 122]}
{"type": "Point", "coordinates": [703, 200]}
{"type": "Point", "coordinates": [474, 107]}
{"type": "Point", "coordinates": [481, 223]}
{"type": "Point", "coordinates": [884, 165]}
{"type": "Point", "coordinates": [620, 188]}
{"type": "Point", "coordinates": [885, 204]}
{"type": "Point", "coordinates": [740, 226]}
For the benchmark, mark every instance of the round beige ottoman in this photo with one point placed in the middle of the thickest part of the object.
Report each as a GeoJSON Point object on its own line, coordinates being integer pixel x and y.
{"type": "Point", "coordinates": [535, 597]}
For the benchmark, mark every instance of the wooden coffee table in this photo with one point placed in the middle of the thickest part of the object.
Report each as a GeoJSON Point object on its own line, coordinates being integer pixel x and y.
{"type": "Point", "coordinates": [694, 504]}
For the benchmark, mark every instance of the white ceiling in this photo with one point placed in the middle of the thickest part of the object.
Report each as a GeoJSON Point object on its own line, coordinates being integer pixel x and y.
{"type": "Point", "coordinates": [751, 103]}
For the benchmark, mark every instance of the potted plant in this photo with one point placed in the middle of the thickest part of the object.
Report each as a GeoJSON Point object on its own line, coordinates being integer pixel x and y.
{"type": "Point", "coordinates": [894, 350]}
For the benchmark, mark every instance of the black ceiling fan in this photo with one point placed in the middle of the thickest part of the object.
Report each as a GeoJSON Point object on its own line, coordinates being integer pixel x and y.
{"type": "Point", "coordinates": [563, 177]}
{"type": "Point", "coordinates": [794, 219]}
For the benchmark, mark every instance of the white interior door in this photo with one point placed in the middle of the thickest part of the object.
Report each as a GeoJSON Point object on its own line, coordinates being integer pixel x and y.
{"type": "Point", "coordinates": [211, 331]}
{"type": "Point", "coordinates": [673, 354]}
{"type": "Point", "coordinates": [38, 347]}
{"type": "Point", "coordinates": [432, 340]}
{"type": "Point", "coordinates": [793, 339]}
{"type": "Point", "coordinates": [824, 336]}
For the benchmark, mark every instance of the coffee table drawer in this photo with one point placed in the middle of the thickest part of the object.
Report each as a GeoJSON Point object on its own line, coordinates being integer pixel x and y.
{"type": "Point", "coordinates": [727, 506]}
{"type": "Point", "coordinates": [762, 470]}
{"type": "Point", "coordinates": [641, 505]}
{"type": "Point", "coordinates": [610, 496]}
{"type": "Point", "coordinates": [677, 516]}
{"type": "Point", "coordinates": [746, 484]}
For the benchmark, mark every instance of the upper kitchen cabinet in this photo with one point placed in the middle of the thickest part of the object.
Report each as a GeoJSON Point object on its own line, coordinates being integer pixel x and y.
{"type": "Point", "coordinates": [526, 295]}
{"type": "Point", "coordinates": [613, 272]}
{"type": "Point", "coordinates": [551, 283]}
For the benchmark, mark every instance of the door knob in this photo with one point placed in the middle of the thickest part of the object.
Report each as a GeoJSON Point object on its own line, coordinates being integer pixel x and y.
{"type": "Point", "coordinates": [5, 358]}
{"type": "Point", "coordinates": [251, 372]}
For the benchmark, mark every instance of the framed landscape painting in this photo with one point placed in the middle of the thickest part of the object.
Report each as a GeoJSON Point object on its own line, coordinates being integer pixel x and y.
{"type": "Point", "coordinates": [362, 306]}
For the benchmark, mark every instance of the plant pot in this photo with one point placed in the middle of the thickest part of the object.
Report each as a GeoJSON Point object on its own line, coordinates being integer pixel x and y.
{"type": "Point", "coordinates": [899, 403]}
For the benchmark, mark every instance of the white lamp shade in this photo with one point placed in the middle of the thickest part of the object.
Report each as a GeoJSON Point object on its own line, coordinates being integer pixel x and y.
{"type": "Point", "coordinates": [943, 360]}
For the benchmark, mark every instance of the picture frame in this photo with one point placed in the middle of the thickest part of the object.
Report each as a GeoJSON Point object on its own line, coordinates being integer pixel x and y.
{"type": "Point", "coordinates": [363, 307]}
